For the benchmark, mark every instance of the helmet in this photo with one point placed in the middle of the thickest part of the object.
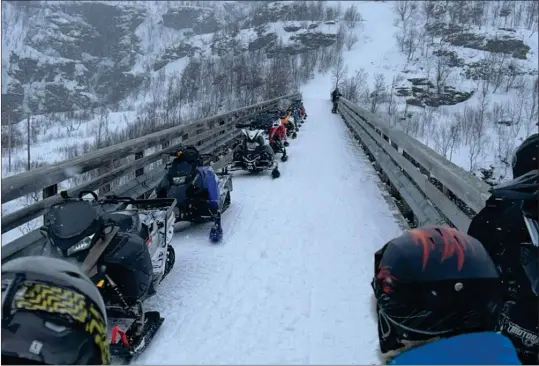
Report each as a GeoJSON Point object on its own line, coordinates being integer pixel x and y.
{"type": "Point", "coordinates": [525, 156]}
{"type": "Point", "coordinates": [51, 314]}
{"type": "Point", "coordinates": [189, 154]}
{"type": "Point", "coordinates": [433, 281]}
{"type": "Point", "coordinates": [525, 188]}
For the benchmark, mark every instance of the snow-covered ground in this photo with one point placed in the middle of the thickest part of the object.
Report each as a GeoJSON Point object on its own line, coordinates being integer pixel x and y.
{"type": "Point", "coordinates": [290, 283]}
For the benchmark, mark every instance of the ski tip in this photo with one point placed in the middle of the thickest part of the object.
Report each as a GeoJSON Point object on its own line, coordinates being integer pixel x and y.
{"type": "Point", "coordinates": [216, 235]}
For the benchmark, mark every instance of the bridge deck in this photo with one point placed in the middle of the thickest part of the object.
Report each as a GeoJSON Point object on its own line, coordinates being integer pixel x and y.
{"type": "Point", "coordinates": [290, 281]}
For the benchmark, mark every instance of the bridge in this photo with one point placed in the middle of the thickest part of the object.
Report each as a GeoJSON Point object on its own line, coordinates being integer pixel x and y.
{"type": "Point", "coordinates": [290, 282]}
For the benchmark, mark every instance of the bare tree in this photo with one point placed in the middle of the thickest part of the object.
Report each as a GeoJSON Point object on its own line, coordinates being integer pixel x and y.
{"type": "Point", "coordinates": [351, 16]}
{"type": "Point", "coordinates": [378, 95]}
{"type": "Point", "coordinates": [442, 68]}
{"type": "Point", "coordinates": [391, 105]}
{"type": "Point", "coordinates": [341, 38]}
{"type": "Point", "coordinates": [339, 71]}
{"type": "Point", "coordinates": [102, 128]}
{"type": "Point", "coordinates": [350, 40]}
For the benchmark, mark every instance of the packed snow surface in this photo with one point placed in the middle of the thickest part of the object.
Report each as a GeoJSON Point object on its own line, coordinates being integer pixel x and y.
{"type": "Point", "coordinates": [290, 282]}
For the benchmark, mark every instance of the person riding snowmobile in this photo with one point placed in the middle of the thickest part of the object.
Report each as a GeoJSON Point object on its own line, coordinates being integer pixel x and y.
{"type": "Point", "coordinates": [203, 187]}
{"type": "Point", "coordinates": [335, 95]}
{"type": "Point", "coordinates": [52, 314]}
{"type": "Point", "coordinates": [437, 293]}
{"type": "Point", "coordinates": [502, 229]}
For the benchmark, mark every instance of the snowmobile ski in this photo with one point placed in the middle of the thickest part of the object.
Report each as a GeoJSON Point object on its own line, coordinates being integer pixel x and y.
{"type": "Point", "coordinates": [129, 346]}
{"type": "Point", "coordinates": [216, 234]}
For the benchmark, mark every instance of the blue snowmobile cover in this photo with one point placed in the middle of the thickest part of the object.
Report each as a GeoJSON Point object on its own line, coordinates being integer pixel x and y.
{"type": "Point", "coordinates": [207, 179]}
{"type": "Point", "coordinates": [485, 348]}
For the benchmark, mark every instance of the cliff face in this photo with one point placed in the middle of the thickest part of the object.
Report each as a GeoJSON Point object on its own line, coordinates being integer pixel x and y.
{"type": "Point", "coordinates": [62, 56]}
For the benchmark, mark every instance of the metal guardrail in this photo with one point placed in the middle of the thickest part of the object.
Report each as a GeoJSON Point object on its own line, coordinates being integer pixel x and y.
{"type": "Point", "coordinates": [211, 135]}
{"type": "Point", "coordinates": [432, 190]}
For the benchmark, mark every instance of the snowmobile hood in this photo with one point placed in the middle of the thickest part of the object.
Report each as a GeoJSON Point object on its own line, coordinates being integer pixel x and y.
{"type": "Point", "coordinates": [252, 135]}
{"type": "Point", "coordinates": [485, 348]}
{"type": "Point", "coordinates": [209, 181]}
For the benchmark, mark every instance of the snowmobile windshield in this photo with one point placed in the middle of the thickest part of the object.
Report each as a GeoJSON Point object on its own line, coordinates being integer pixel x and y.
{"type": "Point", "coordinates": [69, 222]}
{"type": "Point", "coordinates": [179, 172]}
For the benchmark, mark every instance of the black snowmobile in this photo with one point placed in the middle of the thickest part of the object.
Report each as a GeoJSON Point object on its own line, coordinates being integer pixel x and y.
{"type": "Point", "coordinates": [253, 153]}
{"type": "Point", "coordinates": [202, 195]}
{"type": "Point", "coordinates": [124, 246]}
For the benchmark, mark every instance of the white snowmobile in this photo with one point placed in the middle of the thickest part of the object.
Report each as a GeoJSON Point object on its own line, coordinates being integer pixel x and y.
{"type": "Point", "coordinates": [123, 245]}
{"type": "Point", "coordinates": [253, 153]}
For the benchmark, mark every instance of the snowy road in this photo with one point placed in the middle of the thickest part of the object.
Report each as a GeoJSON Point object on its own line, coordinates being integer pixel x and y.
{"type": "Point", "coordinates": [290, 283]}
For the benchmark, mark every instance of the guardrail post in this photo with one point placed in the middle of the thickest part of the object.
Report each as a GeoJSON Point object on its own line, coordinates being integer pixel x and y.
{"type": "Point", "coordinates": [164, 145]}
{"type": "Point", "coordinates": [105, 168]}
{"type": "Point", "coordinates": [139, 155]}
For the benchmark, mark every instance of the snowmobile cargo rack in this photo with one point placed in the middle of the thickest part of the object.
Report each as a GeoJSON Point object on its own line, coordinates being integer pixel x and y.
{"type": "Point", "coordinates": [141, 204]}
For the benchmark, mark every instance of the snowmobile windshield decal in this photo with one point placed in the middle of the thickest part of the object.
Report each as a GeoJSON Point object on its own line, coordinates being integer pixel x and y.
{"type": "Point", "coordinates": [209, 182]}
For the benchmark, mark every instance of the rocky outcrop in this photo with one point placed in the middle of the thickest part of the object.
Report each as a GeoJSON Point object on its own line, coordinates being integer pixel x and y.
{"type": "Point", "coordinates": [458, 36]}
{"type": "Point", "coordinates": [77, 55]}
{"type": "Point", "coordinates": [199, 20]}
{"type": "Point", "coordinates": [424, 93]}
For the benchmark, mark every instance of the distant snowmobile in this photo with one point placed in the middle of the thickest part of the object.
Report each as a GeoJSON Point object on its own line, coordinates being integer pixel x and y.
{"type": "Point", "coordinates": [201, 194]}
{"type": "Point", "coordinates": [253, 154]}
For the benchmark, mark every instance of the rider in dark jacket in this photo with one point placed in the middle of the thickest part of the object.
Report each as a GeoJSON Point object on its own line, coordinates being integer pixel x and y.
{"type": "Point", "coordinates": [335, 98]}
{"type": "Point", "coordinates": [501, 228]}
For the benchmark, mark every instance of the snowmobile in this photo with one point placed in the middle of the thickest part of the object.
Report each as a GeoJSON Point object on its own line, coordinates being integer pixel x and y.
{"type": "Point", "coordinates": [202, 195]}
{"type": "Point", "coordinates": [276, 135]}
{"type": "Point", "coordinates": [288, 121]}
{"type": "Point", "coordinates": [123, 245]}
{"type": "Point", "coordinates": [253, 153]}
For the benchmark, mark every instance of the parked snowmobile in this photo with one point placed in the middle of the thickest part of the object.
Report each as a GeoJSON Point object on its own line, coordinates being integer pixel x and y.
{"type": "Point", "coordinates": [123, 245]}
{"type": "Point", "coordinates": [277, 139]}
{"type": "Point", "coordinates": [201, 194]}
{"type": "Point", "coordinates": [289, 123]}
{"type": "Point", "coordinates": [253, 153]}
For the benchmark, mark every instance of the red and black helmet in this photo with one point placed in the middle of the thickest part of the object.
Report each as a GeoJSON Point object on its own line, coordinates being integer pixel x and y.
{"type": "Point", "coordinates": [433, 281]}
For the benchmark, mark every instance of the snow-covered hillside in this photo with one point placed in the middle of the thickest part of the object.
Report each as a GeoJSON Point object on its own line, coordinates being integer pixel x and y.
{"type": "Point", "coordinates": [460, 76]}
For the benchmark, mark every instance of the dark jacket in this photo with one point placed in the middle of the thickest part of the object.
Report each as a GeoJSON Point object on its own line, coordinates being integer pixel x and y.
{"type": "Point", "coordinates": [500, 227]}
{"type": "Point", "coordinates": [335, 96]}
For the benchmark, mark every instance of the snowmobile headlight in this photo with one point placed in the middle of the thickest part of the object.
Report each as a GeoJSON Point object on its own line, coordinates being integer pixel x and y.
{"type": "Point", "coordinates": [252, 145]}
{"type": "Point", "coordinates": [178, 180]}
{"type": "Point", "coordinates": [81, 245]}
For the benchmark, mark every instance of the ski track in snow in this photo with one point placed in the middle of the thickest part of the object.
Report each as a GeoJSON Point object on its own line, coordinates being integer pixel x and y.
{"type": "Point", "coordinates": [290, 282]}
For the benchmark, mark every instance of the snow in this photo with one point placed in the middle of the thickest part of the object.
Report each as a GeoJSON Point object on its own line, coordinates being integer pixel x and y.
{"type": "Point", "coordinates": [290, 283]}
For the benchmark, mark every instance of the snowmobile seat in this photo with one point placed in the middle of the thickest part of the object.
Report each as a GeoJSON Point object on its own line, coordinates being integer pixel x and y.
{"type": "Point", "coordinates": [128, 223]}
